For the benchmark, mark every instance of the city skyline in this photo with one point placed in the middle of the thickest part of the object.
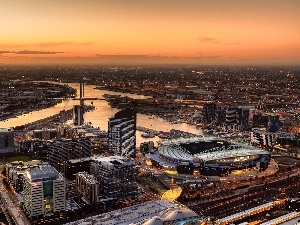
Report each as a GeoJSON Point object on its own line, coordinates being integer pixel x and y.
{"type": "Point", "coordinates": [149, 32]}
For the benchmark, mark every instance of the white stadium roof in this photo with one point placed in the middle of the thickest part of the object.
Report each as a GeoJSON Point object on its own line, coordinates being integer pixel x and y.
{"type": "Point", "coordinates": [224, 154]}
{"type": "Point", "coordinates": [173, 150]}
{"type": "Point", "coordinates": [190, 140]}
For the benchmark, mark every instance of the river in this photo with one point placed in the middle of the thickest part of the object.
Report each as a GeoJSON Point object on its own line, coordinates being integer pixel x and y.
{"type": "Point", "coordinates": [99, 117]}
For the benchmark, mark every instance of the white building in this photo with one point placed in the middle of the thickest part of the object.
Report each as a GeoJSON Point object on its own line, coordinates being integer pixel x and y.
{"type": "Point", "coordinates": [44, 191]}
{"type": "Point", "coordinates": [87, 187]}
{"type": "Point", "coordinates": [121, 133]}
{"type": "Point", "coordinates": [261, 137]}
{"type": "Point", "coordinates": [157, 212]}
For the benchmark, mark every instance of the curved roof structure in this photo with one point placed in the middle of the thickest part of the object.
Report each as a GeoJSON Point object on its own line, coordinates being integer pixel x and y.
{"type": "Point", "coordinates": [190, 140]}
{"type": "Point", "coordinates": [148, 213]}
{"type": "Point", "coordinates": [224, 154]}
{"type": "Point", "coordinates": [171, 215]}
{"type": "Point", "coordinates": [175, 152]}
{"type": "Point", "coordinates": [172, 151]}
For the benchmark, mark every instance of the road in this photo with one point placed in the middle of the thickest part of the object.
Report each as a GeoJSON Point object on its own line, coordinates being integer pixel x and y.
{"type": "Point", "coordinates": [14, 210]}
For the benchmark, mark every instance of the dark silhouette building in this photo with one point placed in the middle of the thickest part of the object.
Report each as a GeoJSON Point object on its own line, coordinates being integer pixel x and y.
{"type": "Point", "coordinates": [232, 117]}
{"type": "Point", "coordinates": [265, 119]}
{"type": "Point", "coordinates": [209, 112]}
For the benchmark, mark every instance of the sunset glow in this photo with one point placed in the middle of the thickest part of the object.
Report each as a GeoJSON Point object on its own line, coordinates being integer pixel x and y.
{"type": "Point", "coordinates": [193, 31]}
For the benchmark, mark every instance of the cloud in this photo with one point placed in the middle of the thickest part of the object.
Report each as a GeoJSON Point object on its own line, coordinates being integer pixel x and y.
{"type": "Point", "coordinates": [4, 52]}
{"type": "Point", "coordinates": [121, 56]}
{"type": "Point", "coordinates": [208, 40]}
{"type": "Point", "coordinates": [27, 52]}
{"type": "Point", "coordinates": [54, 44]}
{"type": "Point", "coordinates": [237, 43]}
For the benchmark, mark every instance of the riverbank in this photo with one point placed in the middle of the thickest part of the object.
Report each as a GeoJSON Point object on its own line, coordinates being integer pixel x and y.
{"type": "Point", "coordinates": [27, 97]}
{"type": "Point", "coordinates": [52, 121]}
{"type": "Point", "coordinates": [16, 111]}
{"type": "Point", "coordinates": [168, 109]}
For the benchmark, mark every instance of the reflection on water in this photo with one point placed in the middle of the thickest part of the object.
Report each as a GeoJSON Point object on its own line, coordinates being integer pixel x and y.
{"type": "Point", "coordinates": [99, 117]}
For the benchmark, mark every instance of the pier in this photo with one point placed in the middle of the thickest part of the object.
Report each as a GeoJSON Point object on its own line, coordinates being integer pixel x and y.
{"type": "Point", "coordinates": [167, 135]}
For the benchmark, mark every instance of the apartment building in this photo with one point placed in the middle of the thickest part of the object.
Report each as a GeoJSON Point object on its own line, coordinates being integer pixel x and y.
{"type": "Point", "coordinates": [122, 133]}
{"type": "Point", "coordinates": [44, 191]}
{"type": "Point", "coordinates": [58, 151]}
{"type": "Point", "coordinates": [233, 117]}
{"type": "Point", "coordinates": [117, 177]}
{"type": "Point", "coordinates": [87, 187]}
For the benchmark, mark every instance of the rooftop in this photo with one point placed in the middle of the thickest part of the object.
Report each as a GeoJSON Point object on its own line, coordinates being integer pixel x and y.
{"type": "Point", "coordinates": [139, 214]}
{"type": "Point", "coordinates": [113, 161]}
{"type": "Point", "coordinates": [90, 178]}
{"type": "Point", "coordinates": [42, 173]}
{"type": "Point", "coordinates": [191, 140]}
{"type": "Point", "coordinates": [242, 151]}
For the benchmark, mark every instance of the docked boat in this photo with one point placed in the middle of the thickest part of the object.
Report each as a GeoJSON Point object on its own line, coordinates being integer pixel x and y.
{"type": "Point", "coordinates": [147, 135]}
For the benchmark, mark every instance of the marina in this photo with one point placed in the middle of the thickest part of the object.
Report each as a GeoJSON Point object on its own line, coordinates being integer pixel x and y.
{"type": "Point", "coordinates": [101, 113]}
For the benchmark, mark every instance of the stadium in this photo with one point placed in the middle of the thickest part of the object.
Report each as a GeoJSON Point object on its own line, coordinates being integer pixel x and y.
{"type": "Point", "coordinates": [208, 156]}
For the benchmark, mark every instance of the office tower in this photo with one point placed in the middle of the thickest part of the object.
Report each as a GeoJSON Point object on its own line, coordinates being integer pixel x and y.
{"type": "Point", "coordinates": [230, 116]}
{"type": "Point", "coordinates": [242, 117]}
{"type": "Point", "coordinates": [209, 112]}
{"type": "Point", "coordinates": [87, 187]}
{"type": "Point", "coordinates": [117, 177]}
{"type": "Point", "coordinates": [44, 191]}
{"type": "Point", "coordinates": [221, 115]}
{"type": "Point", "coordinates": [6, 140]}
{"type": "Point", "coordinates": [78, 112]}
{"type": "Point", "coordinates": [121, 133]}
{"type": "Point", "coordinates": [264, 120]}
{"type": "Point", "coordinates": [233, 117]}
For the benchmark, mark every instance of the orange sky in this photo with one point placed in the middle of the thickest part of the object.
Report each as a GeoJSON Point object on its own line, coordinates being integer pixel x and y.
{"type": "Point", "coordinates": [133, 31]}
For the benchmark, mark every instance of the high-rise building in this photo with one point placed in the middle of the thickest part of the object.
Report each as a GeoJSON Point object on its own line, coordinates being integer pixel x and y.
{"type": "Point", "coordinates": [59, 151]}
{"type": "Point", "coordinates": [242, 115]}
{"type": "Point", "coordinates": [78, 112]}
{"type": "Point", "coordinates": [264, 119]}
{"type": "Point", "coordinates": [6, 140]}
{"type": "Point", "coordinates": [44, 191]}
{"type": "Point", "coordinates": [233, 117]}
{"type": "Point", "coordinates": [87, 187]}
{"type": "Point", "coordinates": [117, 177]}
{"type": "Point", "coordinates": [209, 112]}
{"type": "Point", "coordinates": [122, 133]}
